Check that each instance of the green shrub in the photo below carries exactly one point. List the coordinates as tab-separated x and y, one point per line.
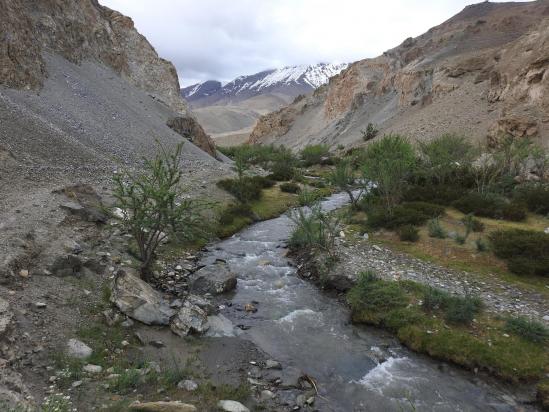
314	154
244	189
408	233
233	211
290	187
462	309
373	294
262	181
153	206
460	239
486	205
527	329
435	229
343	178
472	223
314	230
435	299
413	213
515	211
387	162
535	196
438	194
481	245
526	252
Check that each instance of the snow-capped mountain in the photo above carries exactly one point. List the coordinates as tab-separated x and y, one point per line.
286	82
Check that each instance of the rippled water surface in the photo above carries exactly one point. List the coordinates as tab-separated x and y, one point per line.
301	327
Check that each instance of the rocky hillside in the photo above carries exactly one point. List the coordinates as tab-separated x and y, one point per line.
482	73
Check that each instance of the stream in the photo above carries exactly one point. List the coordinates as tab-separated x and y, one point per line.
303	328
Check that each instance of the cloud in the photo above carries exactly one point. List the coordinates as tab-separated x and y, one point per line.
219	39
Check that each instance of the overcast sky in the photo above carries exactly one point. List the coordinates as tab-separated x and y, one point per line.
223	39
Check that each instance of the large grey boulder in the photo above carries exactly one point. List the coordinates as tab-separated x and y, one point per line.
214	279
190	319
137	299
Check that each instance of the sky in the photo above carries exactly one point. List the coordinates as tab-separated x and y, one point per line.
223	39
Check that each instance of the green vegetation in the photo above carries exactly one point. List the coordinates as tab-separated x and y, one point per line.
152	206
290	187
408	233
343	178
314	154
441	325
410	213
527	329
526	252
535	196
386	163
435	229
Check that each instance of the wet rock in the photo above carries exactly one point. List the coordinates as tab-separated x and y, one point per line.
205	304
219	326
300	400
266	395
340	281
157	343
189	319
188	385
248	307
231	406
138	300
272	364
214	279
161	406
78	349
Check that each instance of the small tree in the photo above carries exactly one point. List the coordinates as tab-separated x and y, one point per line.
152	208
343	178
386	164
313	154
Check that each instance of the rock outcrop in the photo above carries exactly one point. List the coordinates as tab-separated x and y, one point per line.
190	129
78	31
483	73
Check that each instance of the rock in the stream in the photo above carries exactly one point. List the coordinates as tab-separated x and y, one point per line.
189	319
137	299
203	303
162	407
272	364
78	349
340	281
214	279
219	326
232	406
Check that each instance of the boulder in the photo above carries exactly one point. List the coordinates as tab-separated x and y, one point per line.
219	326
232	406
214	279
189	128
161	406
78	349
203	303
190	319
84	202
66	265
188	385
340	281
138	300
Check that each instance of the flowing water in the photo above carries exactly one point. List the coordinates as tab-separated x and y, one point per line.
303	328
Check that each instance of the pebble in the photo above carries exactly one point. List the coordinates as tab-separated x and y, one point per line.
76	384
40	305
24	273
92	368
265	395
272	364
188	385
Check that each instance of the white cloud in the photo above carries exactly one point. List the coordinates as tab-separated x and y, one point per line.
220	39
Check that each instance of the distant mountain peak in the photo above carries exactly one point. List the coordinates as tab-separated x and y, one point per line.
289	81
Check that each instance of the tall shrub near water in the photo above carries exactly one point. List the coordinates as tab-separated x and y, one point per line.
386	163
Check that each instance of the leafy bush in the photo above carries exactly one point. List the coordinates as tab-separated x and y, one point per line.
491	205
282	165
462	309
413	213
481	245
370	293
386	162
314	229
290	187
526	252
435	229
445	156
435	299
370	132
343	178
527	329
152	205
437	194
408	233
313	154
535	196
244	189
233	211
472	223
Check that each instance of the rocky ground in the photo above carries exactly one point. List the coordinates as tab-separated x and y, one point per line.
359	254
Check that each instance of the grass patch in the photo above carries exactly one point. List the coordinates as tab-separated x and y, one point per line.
527	329
439	324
